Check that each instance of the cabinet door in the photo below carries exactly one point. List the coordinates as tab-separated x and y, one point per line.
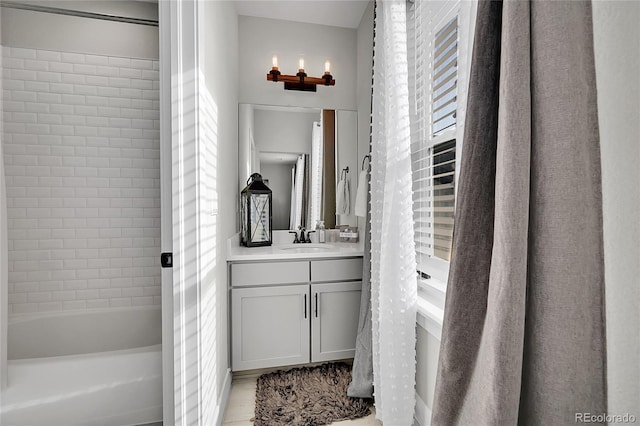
270	326
335	311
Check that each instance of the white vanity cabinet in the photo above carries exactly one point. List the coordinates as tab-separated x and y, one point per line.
270	326
287	313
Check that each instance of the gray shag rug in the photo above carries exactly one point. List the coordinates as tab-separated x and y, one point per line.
308	396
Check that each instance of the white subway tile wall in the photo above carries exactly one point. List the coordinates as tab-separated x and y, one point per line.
82	162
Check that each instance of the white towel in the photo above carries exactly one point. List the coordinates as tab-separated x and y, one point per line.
343	196
361	195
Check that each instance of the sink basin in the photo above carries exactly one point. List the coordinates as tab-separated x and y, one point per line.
305	248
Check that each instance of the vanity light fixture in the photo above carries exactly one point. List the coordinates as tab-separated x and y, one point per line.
300	81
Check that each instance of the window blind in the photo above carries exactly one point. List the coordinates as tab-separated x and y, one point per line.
444	79
443	169
433	52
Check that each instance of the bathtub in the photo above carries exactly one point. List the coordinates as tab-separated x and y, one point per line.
99	367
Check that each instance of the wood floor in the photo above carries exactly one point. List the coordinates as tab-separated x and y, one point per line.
241	406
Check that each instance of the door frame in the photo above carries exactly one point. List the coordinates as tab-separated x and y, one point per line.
179	124
166	217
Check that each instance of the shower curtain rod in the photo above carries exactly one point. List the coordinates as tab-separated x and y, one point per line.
77	13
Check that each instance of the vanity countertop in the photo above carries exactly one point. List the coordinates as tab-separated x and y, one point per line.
283	251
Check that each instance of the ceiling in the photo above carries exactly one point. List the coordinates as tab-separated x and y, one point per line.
337	13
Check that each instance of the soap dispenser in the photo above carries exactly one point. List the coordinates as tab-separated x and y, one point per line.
320	231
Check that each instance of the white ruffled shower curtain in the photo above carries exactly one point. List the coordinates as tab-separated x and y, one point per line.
296	194
393	264
315	202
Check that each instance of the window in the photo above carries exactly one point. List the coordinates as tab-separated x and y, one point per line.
442	198
444	79
439	34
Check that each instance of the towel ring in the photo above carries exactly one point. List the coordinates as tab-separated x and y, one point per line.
364	159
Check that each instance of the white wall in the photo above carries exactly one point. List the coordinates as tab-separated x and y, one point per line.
37	30
204	140
427	351
364	75
82	168
617	51
4	273
220	41
261	38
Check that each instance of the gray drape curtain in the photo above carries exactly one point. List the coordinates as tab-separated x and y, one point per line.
362	372
361	385
524	334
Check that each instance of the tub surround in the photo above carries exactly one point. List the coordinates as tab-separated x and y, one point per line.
82	332
81	152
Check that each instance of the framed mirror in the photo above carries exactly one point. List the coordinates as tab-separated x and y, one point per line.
303	154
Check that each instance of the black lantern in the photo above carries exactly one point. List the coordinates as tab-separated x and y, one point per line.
255	213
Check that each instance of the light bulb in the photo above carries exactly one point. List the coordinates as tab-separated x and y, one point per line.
327	67
301	64
275	61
